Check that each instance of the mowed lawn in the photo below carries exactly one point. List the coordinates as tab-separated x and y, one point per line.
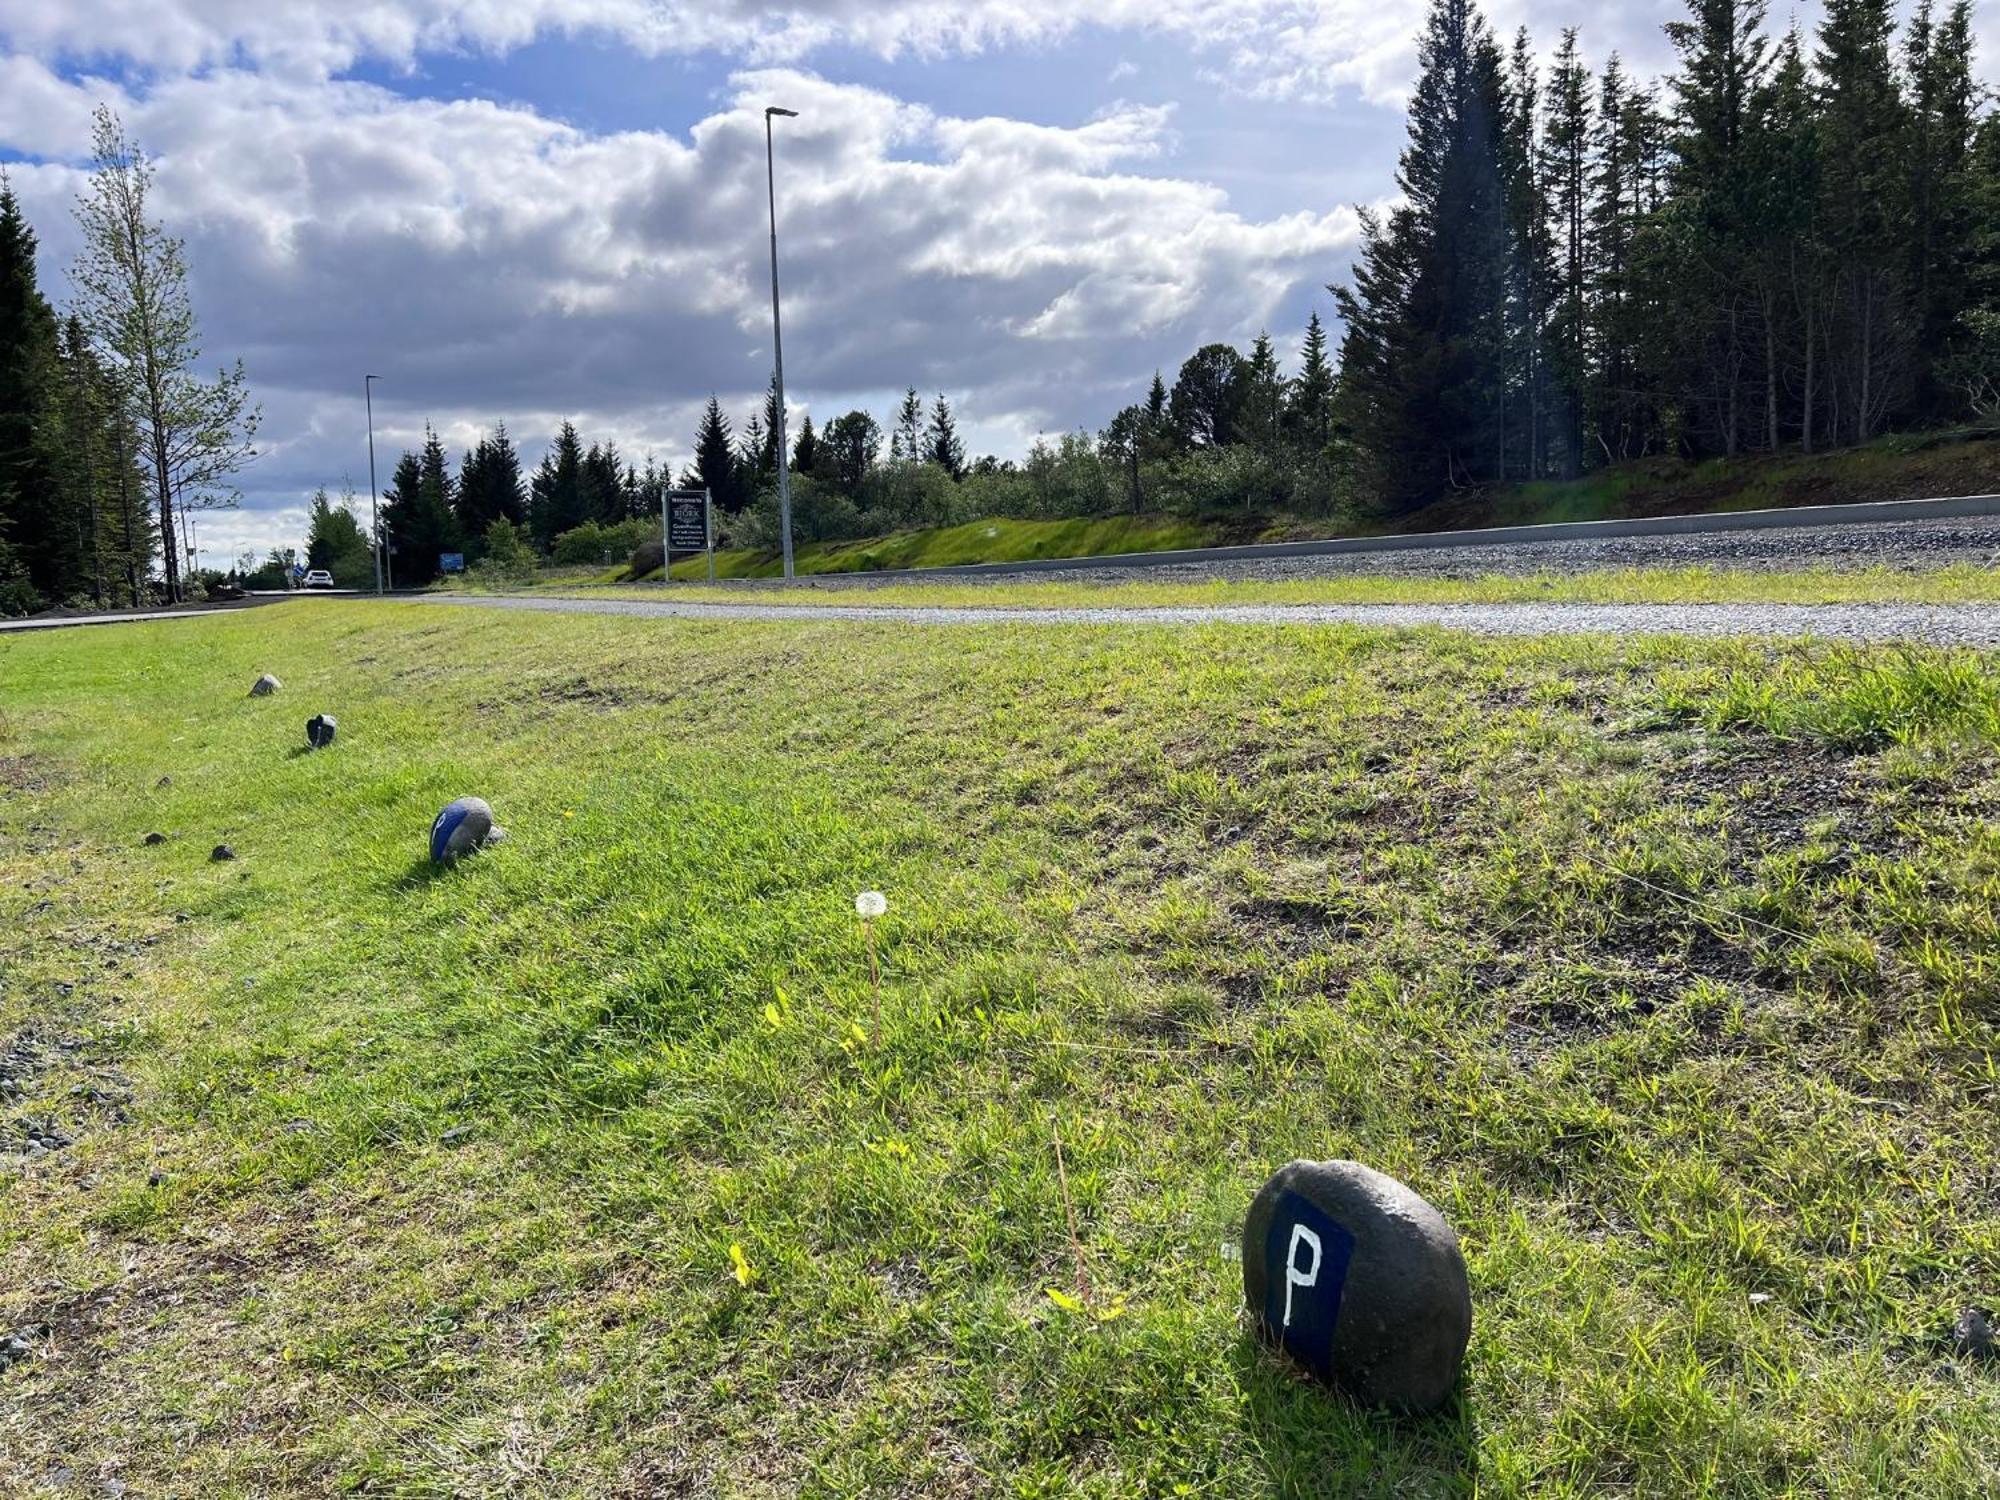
1669	971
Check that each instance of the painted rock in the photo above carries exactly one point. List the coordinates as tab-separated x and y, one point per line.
264	686
465	825
1360	1280
320	730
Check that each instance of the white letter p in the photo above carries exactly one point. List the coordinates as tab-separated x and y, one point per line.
1296	1275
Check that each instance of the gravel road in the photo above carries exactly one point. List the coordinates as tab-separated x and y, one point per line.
1892	544
1959	624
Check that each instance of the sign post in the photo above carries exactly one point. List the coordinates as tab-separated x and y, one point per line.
687	526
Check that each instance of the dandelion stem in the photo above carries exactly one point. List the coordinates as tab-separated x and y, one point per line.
875	982
1069	1213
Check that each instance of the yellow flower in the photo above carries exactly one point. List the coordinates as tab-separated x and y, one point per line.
744	1275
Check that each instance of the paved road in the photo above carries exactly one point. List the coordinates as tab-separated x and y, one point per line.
128	617
1960	624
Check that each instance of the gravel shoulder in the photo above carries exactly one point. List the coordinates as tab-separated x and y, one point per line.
1912	545
1933	624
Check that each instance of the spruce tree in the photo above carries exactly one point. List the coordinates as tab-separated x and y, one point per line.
714	467
1565	170
28	361
556	500
1423	359
1864	208
805	452
941	444
1309	400
906	440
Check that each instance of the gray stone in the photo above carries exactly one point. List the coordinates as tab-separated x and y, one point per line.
264	686
156	838
464	825
1360	1280
1973	1334
221	852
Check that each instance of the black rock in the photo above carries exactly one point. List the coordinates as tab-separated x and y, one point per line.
156	838
320	730
264	686
221	852
1973	1334
1360	1280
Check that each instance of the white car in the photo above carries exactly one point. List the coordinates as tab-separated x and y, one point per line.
318	578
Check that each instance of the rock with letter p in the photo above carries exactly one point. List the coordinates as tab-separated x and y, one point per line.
464	825
1360	1280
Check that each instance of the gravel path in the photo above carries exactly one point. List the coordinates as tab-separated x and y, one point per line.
1891	544
1936	624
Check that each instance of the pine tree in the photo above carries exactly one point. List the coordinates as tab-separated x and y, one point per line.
1423	359
805	452
1565	165
941	444
556	500
1724	61
1309	401
714	467
1864	205
605	498
28	359
490	485
1260	404
906	440
417	520
1941	230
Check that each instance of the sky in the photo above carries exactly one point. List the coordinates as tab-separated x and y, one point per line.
537	210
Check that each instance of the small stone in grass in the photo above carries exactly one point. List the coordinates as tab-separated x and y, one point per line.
164	781
456	1133
1973	1334
465	825
1360	1280
320	730
221	852
264	686
156	838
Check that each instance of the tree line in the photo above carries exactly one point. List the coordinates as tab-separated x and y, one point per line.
111	441
1788	241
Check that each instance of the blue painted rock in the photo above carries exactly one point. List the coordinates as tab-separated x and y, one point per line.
465	825
1360	1280
320	730
264	686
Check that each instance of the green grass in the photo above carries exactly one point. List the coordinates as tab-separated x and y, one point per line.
1957	583
997	539
1670	971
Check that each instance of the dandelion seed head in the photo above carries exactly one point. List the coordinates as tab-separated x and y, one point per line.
870	905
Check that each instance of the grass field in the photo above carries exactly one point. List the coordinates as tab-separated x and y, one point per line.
1670	971
1958	583
998	539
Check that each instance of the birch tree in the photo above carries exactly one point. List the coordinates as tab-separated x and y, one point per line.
132	293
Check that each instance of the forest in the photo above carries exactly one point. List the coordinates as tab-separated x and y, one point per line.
1790	242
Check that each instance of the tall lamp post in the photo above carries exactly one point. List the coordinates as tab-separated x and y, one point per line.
374	524
778	342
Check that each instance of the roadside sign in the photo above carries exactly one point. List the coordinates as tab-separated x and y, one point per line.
451	562
688	524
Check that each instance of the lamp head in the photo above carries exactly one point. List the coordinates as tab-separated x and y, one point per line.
772	109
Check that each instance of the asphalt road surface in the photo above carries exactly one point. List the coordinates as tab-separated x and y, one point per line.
1935	624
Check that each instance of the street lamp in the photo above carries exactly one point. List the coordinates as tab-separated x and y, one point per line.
374	525
778	342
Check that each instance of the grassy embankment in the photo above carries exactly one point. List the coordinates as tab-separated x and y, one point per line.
1893	468
1667	969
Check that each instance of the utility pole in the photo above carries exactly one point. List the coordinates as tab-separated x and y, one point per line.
374	523
778	341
